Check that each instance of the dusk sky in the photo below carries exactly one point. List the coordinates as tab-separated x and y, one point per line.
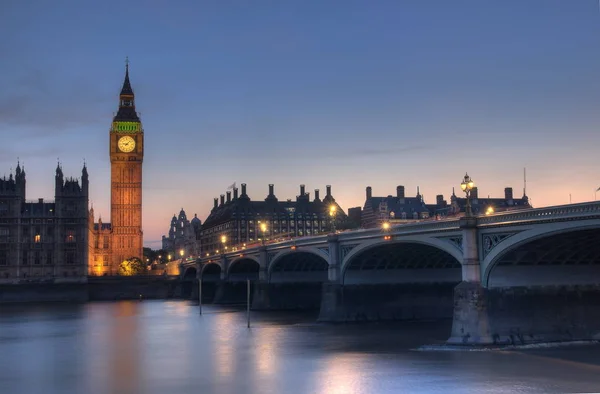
347	93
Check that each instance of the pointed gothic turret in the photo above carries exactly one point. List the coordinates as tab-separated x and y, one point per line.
84	179
58	179
127	101
126	90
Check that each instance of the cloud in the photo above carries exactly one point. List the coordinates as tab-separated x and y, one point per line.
40	104
8	154
370	152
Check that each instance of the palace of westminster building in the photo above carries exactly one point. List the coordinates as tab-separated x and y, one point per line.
58	241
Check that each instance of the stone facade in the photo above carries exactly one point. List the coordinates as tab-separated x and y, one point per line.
239	219
111	243
44	241
184	235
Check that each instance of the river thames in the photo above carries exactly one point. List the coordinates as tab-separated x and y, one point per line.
167	347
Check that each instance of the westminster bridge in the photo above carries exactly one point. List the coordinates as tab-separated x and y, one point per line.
513	277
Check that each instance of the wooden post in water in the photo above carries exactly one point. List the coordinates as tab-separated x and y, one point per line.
248	301
200	293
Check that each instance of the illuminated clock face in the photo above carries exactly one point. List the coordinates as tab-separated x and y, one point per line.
126	144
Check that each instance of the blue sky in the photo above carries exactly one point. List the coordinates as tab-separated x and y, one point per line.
347	93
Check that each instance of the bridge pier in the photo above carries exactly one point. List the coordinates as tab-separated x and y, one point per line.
470	321
470	324
332	303
228	292
260	296
194	296
522	315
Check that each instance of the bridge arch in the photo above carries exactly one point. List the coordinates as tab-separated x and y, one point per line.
414	260
190	273
188	282
210	270
299	265
546	255
243	268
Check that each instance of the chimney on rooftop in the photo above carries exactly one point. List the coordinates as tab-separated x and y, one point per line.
400	191
369	192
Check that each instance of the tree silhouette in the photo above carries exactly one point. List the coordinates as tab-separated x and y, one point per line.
132	266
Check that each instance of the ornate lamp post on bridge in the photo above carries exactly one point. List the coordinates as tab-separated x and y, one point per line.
263	231
224	242
332	214
467	185
386	226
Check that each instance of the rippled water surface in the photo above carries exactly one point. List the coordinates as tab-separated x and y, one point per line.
167	348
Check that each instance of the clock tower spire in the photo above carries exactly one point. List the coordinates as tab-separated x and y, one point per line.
126	146
127	100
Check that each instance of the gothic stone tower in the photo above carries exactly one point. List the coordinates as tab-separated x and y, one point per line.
126	155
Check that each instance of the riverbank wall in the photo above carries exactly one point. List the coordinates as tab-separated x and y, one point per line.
101	288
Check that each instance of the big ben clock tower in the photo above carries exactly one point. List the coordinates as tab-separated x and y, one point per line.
126	156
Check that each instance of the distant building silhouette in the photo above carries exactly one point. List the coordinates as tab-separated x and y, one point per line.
184	235
44	241
354	217
480	205
239	219
403	209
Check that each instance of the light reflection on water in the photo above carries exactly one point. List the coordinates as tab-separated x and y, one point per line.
167	347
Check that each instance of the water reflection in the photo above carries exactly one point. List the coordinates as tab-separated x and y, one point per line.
343	374
124	359
266	343
223	336
167	347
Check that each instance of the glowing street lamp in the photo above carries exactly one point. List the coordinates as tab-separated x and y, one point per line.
332	214
467	185
263	230
181	253
224	242
489	210
385	226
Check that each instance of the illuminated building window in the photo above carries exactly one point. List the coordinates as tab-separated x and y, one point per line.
70	237
37	239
